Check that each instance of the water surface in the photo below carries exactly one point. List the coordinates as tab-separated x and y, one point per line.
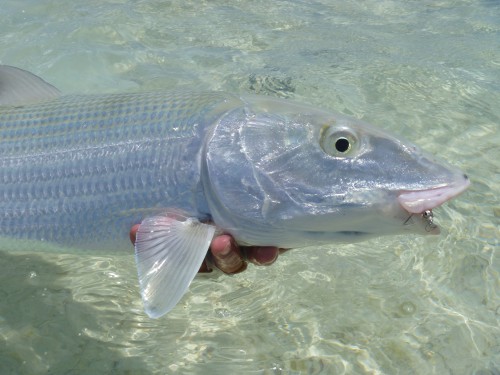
427	70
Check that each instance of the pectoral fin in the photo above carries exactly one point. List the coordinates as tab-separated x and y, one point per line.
169	251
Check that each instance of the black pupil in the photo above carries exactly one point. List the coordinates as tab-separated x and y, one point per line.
342	145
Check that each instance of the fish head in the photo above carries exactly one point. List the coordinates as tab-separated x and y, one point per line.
289	175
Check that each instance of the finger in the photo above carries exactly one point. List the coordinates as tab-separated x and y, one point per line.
262	255
226	254
133	233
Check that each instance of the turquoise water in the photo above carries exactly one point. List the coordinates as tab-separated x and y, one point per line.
428	70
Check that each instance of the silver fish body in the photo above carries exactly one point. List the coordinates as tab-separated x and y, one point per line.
77	172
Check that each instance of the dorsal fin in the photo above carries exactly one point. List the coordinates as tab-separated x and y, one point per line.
19	87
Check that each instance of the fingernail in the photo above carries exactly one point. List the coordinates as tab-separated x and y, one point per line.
265	255
227	249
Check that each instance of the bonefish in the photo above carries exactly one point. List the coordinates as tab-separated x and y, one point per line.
76	172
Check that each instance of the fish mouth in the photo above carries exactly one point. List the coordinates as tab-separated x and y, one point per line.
420	201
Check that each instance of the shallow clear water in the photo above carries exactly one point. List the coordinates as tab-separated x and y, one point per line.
428	70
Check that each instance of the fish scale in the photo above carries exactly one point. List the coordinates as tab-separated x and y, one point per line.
100	161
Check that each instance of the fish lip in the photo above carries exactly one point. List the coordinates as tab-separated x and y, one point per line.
419	201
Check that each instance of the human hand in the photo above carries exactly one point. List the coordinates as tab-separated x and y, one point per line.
228	256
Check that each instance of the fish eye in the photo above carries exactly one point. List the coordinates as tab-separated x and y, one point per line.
337	142
342	144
